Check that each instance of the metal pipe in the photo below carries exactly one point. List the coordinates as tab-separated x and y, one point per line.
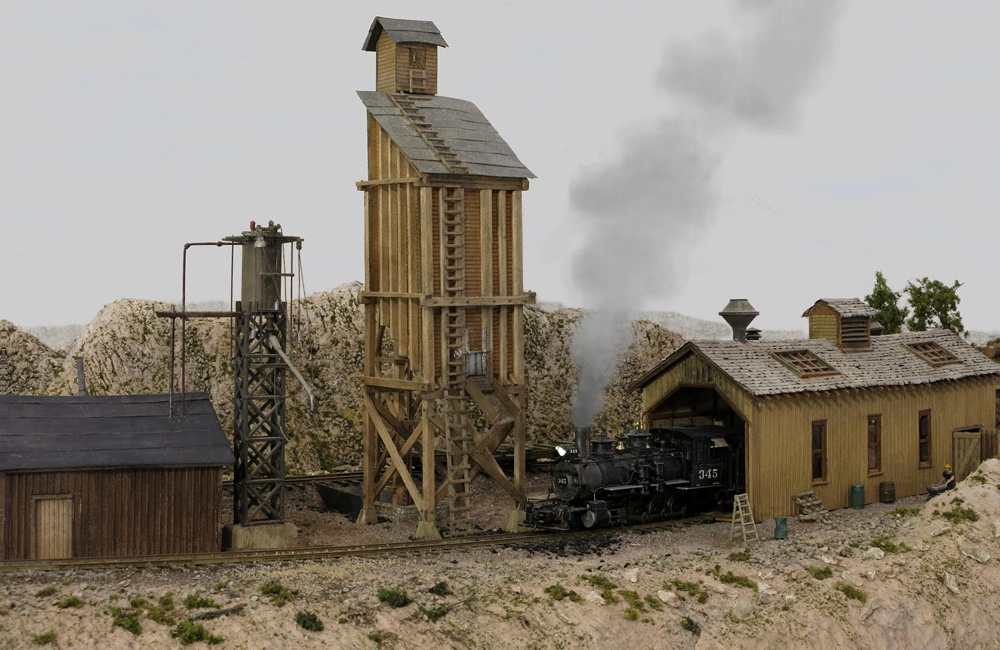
81	380
184	321
281	353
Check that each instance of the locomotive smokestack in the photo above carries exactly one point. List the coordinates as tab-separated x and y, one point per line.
582	440
739	313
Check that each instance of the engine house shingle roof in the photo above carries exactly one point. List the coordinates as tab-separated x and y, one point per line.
462	128
888	363
846	307
403	31
39	432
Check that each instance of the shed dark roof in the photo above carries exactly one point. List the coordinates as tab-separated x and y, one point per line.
889	363
846	307
109	431
403	31
460	127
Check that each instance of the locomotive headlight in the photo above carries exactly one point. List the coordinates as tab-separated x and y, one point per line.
560	450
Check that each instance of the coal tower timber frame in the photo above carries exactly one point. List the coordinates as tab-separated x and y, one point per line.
444	297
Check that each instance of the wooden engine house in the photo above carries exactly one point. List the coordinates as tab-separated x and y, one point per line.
444	297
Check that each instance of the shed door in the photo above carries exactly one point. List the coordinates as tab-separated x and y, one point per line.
53	527
965	452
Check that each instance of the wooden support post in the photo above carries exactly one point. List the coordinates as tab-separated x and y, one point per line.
370	442
427	527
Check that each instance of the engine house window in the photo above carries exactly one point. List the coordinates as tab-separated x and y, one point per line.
874	444
924	433
819	452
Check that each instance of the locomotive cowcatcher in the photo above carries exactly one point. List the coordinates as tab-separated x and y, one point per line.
646	476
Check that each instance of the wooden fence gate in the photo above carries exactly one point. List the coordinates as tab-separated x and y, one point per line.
966	452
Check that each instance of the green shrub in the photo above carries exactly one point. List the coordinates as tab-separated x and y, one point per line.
630	614
742	556
394	597
959	514
127	620
71	601
188	632
692	589
309	621
688	624
441	589
377	638
436	613
905	512
820	573
45	593
730	579
654	603
633	599
606	586
194	601
278	594
558	592
852	592
977	478
49	638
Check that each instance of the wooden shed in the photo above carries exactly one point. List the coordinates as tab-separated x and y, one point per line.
842	408
101	476
444	295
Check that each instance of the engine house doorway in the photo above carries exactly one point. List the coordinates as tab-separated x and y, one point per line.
702	406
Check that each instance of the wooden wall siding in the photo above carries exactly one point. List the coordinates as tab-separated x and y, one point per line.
122	512
824	323
693	371
402	66
3	516
778	445
385	64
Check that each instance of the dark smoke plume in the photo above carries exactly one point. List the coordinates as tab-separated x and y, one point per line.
642	210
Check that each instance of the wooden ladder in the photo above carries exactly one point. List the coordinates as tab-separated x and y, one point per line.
744	517
458	429
407	105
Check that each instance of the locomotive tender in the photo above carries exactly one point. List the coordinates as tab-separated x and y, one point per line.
646	476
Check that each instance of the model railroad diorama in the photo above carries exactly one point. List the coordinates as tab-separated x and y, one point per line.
444	385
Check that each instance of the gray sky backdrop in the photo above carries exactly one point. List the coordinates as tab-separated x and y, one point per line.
129	128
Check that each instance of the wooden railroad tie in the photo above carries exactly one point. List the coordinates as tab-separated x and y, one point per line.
811	508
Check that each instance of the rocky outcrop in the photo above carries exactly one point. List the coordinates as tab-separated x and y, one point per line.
27	366
126	350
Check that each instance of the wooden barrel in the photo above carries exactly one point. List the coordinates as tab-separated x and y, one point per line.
887	492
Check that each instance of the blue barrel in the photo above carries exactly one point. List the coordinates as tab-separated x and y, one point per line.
780	528
857	497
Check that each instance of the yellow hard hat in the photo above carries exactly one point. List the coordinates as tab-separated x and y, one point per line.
947	466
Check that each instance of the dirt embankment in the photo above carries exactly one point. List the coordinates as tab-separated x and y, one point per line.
907	575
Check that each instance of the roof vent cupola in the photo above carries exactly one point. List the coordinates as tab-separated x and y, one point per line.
845	322
405	55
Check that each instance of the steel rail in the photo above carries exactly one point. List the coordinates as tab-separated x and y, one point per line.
327	552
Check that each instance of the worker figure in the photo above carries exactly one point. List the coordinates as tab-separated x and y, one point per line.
949	478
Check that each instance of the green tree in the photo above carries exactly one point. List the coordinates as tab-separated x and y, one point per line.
886	301
934	304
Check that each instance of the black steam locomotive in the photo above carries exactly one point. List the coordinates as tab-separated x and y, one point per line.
648	475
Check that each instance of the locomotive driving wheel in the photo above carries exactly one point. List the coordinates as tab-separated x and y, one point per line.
677	505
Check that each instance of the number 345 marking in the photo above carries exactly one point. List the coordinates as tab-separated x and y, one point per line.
708	473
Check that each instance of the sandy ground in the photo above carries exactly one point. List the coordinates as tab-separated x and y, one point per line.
682	588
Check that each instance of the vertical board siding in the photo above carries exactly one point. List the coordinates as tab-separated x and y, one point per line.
385	63
122	512
781	429
3	515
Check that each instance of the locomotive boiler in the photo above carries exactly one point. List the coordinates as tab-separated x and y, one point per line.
645	476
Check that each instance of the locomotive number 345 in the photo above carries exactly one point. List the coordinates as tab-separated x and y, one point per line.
708	473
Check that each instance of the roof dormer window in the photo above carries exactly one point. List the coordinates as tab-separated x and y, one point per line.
805	363
932	353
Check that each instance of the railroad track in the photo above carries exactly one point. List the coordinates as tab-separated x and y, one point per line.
330	477
325	552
